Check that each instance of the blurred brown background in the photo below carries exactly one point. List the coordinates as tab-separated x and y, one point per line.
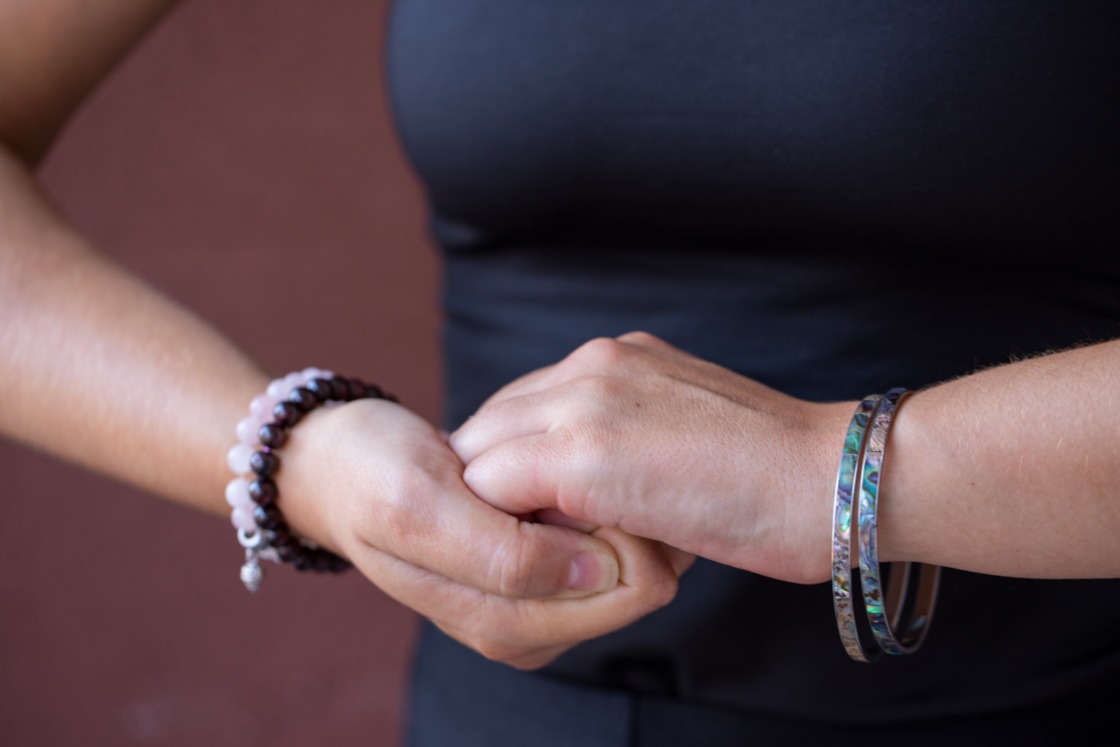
242	160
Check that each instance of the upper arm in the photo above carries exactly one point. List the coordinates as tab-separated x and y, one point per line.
53	52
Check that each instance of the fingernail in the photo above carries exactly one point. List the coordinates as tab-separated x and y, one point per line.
592	571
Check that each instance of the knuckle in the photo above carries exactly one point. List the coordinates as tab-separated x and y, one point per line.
600	354
662	593
531	661
639	337
493	648
511	568
496	652
667	591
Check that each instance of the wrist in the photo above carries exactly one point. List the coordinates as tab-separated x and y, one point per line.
908	512
820	455
306	478
782	524
263	529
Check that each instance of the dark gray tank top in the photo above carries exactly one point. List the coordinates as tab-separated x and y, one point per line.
832	198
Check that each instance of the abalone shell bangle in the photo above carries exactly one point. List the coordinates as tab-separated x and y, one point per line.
914	607
261	528
842	583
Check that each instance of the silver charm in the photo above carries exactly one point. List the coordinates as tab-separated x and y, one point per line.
251	572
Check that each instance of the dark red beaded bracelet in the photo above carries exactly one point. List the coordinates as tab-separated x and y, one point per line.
253	495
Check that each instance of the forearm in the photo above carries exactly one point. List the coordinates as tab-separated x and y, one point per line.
1012	471
52	53
99	369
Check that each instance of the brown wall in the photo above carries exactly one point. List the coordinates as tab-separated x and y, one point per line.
243	161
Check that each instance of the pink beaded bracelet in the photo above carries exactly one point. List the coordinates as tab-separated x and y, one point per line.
252	495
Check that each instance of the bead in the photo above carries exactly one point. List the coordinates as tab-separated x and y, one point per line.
262	405
237	493
321	561
304	561
276	389
320	388
263	463
242	518
315	373
261	492
331	563
303	399
288	553
287	413
268	517
247	430
356	390
272	435
339	389
238	459
280	537
291	381
372	390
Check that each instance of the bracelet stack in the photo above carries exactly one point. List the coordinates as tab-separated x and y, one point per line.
261	528
912	589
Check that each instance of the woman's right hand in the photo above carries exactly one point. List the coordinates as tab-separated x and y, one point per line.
378	484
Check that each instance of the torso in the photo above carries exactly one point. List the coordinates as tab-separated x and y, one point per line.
832	198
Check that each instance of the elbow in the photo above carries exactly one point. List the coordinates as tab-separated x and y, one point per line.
27	147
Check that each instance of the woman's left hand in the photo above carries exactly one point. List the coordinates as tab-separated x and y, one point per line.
636	434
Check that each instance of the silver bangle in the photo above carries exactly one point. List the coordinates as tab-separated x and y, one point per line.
842	513
913	610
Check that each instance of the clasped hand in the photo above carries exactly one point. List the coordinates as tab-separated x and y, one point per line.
571	503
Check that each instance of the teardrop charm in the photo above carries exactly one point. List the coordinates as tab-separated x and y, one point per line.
251	572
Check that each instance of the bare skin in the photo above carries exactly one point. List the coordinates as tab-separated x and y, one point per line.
1011	471
102	370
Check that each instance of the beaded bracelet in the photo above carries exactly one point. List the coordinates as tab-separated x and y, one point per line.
913	611
261	528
